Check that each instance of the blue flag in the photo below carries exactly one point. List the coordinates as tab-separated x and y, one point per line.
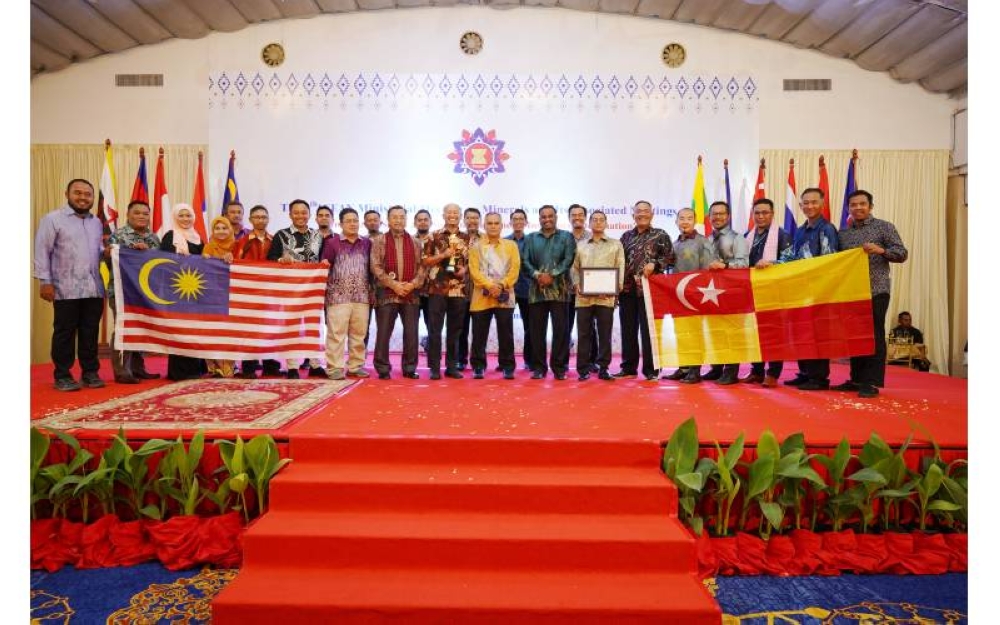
232	192
852	186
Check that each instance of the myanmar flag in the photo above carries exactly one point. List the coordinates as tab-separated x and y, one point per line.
813	308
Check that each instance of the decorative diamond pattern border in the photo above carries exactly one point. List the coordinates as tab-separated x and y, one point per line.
736	90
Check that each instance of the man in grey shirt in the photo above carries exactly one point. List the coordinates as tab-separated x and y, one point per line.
731	252
67	260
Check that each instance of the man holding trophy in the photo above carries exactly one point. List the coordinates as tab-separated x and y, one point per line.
445	256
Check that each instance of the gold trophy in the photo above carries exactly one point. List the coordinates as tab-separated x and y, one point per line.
454	241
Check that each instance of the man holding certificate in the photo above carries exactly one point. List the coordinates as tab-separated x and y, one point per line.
598	275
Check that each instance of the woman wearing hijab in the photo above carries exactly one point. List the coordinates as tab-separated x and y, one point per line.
184	240
220	246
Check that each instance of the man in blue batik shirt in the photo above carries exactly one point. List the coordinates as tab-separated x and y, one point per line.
816	237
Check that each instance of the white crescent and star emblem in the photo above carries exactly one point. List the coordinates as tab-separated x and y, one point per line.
708	294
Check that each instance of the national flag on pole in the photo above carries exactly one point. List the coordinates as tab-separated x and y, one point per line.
198	202
824	185
140	189
232	192
205	308
758	193
729	195
813	308
163	219
849	188
699	202
107	202
791	199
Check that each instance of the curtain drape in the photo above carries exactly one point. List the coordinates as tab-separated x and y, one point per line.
53	165
910	189
958	272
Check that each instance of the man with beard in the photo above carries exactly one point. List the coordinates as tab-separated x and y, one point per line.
730	253
298	243
547	260
234	213
67	260
422	222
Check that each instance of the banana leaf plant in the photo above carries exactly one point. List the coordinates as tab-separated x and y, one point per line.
179	478
233	454
838	506
134	475
793	473
727	482
263	463
899	487
64	476
679	464
40	485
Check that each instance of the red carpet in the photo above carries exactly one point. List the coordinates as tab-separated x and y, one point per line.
485	501
461	530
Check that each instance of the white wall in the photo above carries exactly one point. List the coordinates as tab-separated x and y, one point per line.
865	110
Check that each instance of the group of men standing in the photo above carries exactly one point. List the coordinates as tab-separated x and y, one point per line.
466	278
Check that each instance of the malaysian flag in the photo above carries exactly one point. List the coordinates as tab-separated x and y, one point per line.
205	308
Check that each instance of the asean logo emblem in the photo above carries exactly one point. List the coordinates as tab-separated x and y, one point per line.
479	154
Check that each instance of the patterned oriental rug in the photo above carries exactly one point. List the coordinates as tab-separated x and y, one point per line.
218	404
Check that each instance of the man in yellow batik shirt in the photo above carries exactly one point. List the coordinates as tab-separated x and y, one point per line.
494	264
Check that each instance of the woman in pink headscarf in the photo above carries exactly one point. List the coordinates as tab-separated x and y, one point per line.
184	240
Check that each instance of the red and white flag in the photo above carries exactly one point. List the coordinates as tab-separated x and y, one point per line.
205	308
107	202
163	219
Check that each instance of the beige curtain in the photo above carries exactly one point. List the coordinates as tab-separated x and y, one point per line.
52	166
910	189
958	271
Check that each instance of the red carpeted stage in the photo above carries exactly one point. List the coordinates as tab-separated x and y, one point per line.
480	501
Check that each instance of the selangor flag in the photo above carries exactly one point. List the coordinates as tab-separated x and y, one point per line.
813	308
700	203
107	202
232	193
140	190
205	308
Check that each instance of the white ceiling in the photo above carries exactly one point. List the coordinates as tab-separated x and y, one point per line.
914	40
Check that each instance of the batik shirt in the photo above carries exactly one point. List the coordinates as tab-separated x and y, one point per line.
785	250
523	282
349	281
383	294
440	281
730	248
692	252
68	253
883	234
603	253
301	246
818	239
127	237
553	255
498	263
641	248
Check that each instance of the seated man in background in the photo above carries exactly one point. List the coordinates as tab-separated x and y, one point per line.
905	330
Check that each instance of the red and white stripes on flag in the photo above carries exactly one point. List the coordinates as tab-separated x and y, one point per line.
271	311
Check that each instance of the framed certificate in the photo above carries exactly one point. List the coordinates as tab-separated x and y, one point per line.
599	281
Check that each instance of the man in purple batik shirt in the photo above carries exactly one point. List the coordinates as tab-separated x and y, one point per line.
348	298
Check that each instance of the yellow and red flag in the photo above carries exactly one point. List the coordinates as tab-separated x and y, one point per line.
812	308
699	202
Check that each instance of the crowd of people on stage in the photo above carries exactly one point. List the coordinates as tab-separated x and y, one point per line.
463	276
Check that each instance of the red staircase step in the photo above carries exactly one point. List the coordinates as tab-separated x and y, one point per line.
470	597
452	540
304	486
463	450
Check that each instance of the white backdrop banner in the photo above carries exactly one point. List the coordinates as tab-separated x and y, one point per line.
606	133
497	142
